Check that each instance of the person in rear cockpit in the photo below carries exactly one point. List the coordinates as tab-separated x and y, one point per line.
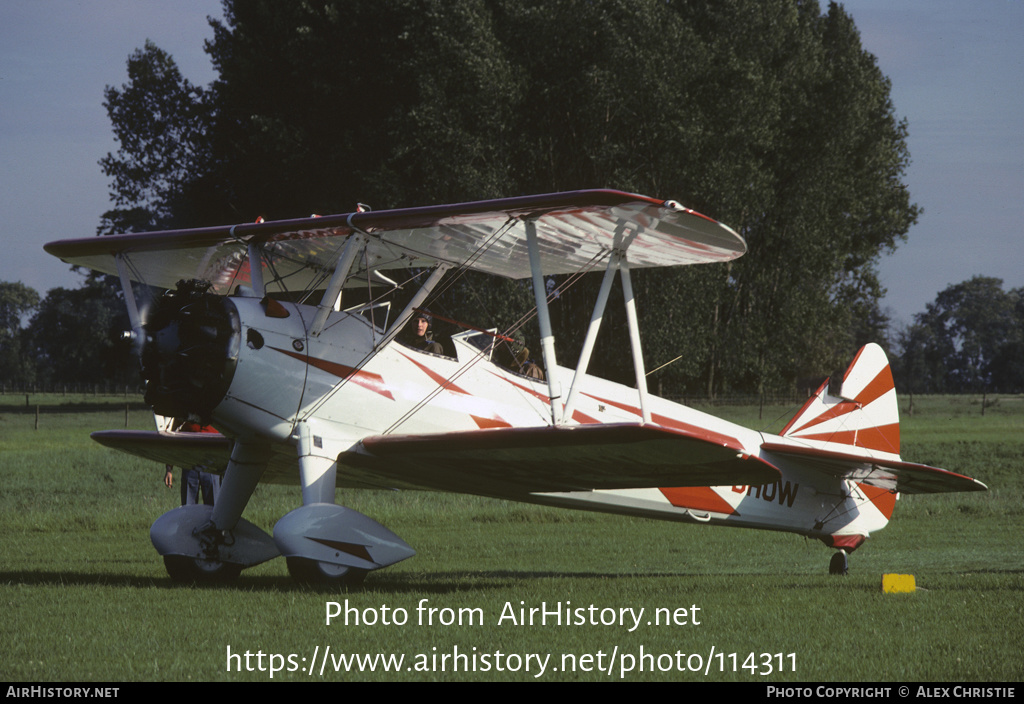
512	353
420	336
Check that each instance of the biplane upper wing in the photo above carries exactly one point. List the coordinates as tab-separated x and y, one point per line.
895	475
574	230
511	462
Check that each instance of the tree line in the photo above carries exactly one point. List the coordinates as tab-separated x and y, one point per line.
68	336
766	115
970	339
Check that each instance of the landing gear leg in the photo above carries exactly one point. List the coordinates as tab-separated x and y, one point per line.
209	543
839	564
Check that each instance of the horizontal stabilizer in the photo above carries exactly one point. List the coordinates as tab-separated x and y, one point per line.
850	429
515	461
894	475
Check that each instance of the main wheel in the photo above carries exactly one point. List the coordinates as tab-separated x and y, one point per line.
307	571
191	569
838	564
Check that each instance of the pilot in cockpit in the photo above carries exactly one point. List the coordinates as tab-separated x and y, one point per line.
420	336
515	355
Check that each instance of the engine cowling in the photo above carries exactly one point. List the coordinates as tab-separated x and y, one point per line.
190	350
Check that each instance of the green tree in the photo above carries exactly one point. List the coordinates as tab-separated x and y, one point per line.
160	178
767	115
76	336
919	367
1007	364
393	104
17	301
160	121
830	201
968	339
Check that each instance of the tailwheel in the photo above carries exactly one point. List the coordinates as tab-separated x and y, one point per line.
182	568
839	563
315	572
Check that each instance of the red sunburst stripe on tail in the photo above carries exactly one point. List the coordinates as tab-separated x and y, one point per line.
876	388
853	364
835	411
879	386
883	499
884	438
803	409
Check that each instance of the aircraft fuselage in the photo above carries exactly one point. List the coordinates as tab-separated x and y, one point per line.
345	387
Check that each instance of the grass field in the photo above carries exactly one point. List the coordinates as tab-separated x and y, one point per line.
86	597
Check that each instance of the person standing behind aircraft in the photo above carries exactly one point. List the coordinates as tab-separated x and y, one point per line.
193	479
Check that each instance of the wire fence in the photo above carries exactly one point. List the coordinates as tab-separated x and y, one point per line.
23	398
774	399
109	389
90	388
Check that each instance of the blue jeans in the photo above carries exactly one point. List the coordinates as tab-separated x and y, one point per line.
192	480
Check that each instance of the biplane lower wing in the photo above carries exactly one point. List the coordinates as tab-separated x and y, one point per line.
178	449
496	462
516	461
895	475
212	452
207	450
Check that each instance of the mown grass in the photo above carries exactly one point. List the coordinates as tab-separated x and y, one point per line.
86	597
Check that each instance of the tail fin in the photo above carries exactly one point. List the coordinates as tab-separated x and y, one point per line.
863	415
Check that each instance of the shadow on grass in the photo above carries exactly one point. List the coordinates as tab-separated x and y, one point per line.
418	583
446	582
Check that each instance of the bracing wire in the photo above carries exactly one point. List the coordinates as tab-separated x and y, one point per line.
573	279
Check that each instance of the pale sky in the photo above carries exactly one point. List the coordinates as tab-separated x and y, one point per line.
957	69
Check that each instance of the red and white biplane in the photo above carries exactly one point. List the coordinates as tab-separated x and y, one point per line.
326	395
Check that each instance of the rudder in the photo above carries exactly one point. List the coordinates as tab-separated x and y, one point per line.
864	415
